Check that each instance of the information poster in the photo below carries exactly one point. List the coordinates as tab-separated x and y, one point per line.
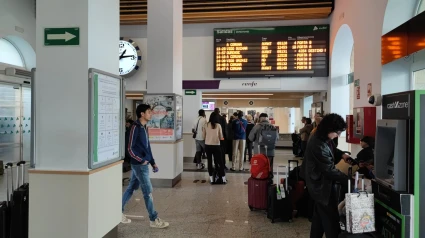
161	126
107	118
179	117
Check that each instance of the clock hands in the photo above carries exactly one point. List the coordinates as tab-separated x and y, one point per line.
121	56
127	56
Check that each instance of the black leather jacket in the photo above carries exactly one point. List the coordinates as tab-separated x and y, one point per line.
318	168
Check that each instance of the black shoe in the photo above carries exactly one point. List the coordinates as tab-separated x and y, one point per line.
231	169
225	168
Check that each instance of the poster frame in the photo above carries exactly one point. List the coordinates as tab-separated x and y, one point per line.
91	119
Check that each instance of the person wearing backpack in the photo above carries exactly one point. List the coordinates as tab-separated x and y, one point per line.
239	129
264	134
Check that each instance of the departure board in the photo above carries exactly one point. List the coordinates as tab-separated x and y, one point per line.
284	51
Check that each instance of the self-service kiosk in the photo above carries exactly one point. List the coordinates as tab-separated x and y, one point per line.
400	166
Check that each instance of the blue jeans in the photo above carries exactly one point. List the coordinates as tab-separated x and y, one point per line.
140	176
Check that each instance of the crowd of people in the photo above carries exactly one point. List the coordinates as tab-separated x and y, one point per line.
240	134
236	137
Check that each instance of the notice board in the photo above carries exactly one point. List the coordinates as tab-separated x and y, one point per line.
106	118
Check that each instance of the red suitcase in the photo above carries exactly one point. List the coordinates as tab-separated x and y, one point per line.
258	193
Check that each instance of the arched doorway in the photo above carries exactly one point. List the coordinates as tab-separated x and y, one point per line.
342	64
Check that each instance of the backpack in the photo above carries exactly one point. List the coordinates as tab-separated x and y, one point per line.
268	136
260	166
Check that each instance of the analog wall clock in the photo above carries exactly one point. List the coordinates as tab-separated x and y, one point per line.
130	57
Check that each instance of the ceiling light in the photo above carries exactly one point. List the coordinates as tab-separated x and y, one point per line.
252	94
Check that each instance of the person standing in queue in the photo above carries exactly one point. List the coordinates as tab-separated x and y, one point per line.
248	141
321	175
229	141
140	151
213	135
239	129
222	121
198	126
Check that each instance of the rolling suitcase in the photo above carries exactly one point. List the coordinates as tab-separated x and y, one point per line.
279	205
20	207
257	193
258	188
5	207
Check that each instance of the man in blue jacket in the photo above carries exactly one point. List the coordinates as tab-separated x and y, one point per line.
140	152
239	129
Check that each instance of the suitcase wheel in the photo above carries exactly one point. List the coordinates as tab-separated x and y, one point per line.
251	208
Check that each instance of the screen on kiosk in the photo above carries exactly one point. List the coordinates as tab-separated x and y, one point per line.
209	106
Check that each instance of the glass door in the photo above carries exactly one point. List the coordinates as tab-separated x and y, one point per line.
10	123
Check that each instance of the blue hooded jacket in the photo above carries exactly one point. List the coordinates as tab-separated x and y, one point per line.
239	129
139	147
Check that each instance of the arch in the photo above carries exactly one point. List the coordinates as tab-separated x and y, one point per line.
341	52
25	49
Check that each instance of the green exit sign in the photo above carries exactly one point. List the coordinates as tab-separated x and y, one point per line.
190	92
61	36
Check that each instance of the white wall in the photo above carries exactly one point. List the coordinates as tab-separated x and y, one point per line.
17	24
398	12
19	14
396	76
340	97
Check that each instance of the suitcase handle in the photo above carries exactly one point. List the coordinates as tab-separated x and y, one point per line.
7	183
10	165
22	165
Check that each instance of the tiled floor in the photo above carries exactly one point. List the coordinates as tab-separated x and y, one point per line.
204	210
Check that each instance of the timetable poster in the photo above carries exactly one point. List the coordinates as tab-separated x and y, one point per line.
161	125
283	51
108	111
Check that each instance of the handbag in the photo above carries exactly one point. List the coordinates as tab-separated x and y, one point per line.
195	132
360	211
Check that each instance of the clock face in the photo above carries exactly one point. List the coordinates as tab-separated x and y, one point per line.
129	57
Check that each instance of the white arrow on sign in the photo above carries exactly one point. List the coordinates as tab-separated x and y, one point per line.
190	92
67	36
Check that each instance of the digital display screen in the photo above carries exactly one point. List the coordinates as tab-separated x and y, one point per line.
285	51
209	106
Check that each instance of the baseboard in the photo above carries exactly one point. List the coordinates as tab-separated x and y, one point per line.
113	233
166	183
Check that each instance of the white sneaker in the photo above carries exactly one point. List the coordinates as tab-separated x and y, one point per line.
158	223
125	220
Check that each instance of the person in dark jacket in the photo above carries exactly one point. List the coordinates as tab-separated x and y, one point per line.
366	157
223	124
320	174
305	133
128	125
229	138
239	138
140	151
249	143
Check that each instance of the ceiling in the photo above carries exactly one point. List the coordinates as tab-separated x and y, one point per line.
134	12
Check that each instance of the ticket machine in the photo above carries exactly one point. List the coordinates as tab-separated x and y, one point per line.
400	166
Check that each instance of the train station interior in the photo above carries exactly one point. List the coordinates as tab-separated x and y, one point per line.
81	155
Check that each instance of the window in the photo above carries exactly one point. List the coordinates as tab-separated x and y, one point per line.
419	80
9	54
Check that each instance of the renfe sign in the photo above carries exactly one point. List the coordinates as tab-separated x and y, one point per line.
398	105
250	84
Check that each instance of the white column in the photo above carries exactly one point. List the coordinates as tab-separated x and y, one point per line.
68	200
164	73
191	106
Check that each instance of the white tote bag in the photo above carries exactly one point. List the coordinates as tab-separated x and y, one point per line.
360	212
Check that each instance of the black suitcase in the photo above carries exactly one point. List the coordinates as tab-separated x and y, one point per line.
279	208
5	208
20	207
